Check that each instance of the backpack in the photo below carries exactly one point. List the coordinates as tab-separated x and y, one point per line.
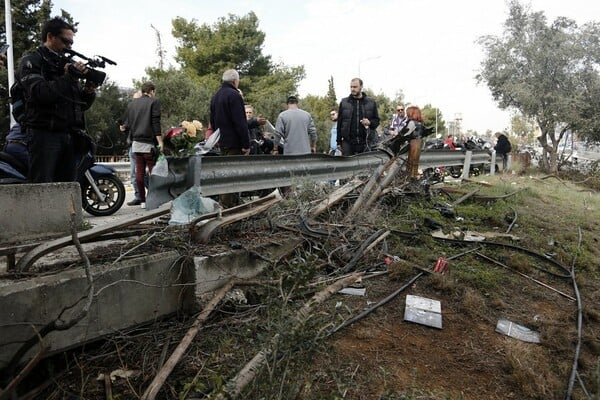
18	101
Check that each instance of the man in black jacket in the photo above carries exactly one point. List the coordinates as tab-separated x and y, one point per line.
227	114
143	122
503	149
55	102
358	119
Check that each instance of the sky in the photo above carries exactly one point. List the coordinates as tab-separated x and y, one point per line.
426	49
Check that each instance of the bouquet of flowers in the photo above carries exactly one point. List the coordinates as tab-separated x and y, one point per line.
181	140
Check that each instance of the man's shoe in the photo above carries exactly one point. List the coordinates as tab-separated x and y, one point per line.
143	206
134	202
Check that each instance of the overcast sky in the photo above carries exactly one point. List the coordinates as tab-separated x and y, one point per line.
425	48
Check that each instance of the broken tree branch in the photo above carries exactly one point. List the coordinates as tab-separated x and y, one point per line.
168	367
234	387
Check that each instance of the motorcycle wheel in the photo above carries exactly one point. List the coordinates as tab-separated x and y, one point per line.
112	187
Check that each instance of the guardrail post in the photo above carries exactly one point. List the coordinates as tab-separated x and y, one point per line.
467	165
493	164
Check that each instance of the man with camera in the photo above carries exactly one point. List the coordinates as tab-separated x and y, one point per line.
55	104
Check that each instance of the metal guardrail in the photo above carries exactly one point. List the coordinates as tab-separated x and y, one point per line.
259	168
232	174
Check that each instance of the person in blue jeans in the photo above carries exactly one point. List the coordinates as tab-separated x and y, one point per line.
137	199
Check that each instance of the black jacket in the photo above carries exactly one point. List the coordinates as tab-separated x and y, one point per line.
55	100
503	145
227	113
351	111
143	119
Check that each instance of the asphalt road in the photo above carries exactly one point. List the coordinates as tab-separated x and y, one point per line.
124	212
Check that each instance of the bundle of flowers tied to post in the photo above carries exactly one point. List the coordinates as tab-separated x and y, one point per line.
182	140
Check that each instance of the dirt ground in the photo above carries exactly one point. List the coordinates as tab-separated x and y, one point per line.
382	356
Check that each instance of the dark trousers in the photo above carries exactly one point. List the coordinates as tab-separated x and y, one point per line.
229	200
51	157
143	161
349	149
504	157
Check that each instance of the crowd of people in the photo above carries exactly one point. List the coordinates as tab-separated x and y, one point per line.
58	93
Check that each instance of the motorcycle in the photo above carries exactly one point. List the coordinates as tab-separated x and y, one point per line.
102	192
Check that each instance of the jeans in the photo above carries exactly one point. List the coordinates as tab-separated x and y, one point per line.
132	174
51	157
143	161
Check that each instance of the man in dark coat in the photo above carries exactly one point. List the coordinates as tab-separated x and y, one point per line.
358	119
503	149
227	114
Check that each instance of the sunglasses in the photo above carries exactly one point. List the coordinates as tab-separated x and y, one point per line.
66	41
400	109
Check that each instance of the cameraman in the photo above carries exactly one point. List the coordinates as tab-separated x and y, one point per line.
55	102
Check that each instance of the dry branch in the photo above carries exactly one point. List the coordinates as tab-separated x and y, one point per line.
335	197
166	369
367	190
234	387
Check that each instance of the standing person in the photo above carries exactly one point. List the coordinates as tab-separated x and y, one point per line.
333	146
259	144
143	121
414	131
503	149
449	141
227	114
55	103
357	117
136	199
297	128
399	121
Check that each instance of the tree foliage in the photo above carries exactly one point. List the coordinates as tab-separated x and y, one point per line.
232	42
181	96
102	119
206	51
548	72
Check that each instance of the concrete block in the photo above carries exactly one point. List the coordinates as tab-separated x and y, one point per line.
127	294
30	211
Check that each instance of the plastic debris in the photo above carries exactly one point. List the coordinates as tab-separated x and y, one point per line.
441	266
190	205
424	311
517	331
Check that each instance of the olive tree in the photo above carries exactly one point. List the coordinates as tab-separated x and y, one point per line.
548	72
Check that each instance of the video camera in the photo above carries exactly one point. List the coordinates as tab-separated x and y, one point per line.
92	75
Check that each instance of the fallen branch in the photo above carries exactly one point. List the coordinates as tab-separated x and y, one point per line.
234	387
367	190
366	245
8	391
168	367
463	198
335	197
